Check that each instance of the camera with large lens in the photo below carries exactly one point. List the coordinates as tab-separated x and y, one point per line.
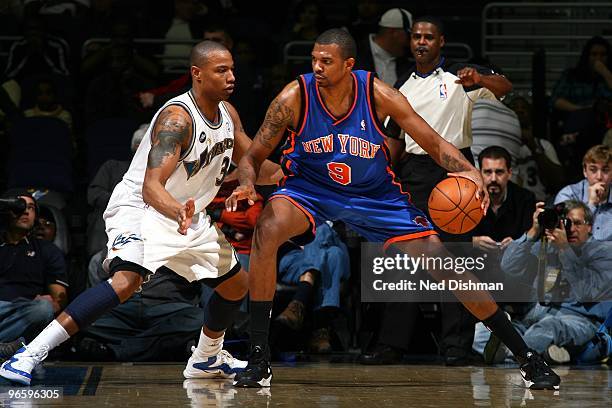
15	205
551	217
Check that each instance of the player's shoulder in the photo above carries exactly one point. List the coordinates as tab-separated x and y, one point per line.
176	121
234	116
382	90
288	101
231	109
176	115
292	91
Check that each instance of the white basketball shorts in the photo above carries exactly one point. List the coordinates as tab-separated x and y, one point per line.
147	238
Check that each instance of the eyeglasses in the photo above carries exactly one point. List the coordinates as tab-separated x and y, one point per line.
579	223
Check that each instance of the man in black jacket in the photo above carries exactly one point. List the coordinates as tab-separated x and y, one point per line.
511	206
384	52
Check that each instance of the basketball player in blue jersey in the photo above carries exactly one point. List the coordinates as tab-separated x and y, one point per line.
175	173
337	168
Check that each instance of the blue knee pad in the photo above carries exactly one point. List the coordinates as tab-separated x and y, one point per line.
220	312
92	303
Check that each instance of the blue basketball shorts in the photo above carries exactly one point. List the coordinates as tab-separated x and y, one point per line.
384	214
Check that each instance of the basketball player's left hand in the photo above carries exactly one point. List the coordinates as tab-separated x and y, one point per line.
184	216
468	77
481	194
241	193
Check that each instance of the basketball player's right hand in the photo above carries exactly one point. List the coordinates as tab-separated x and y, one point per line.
241	193
481	193
184	216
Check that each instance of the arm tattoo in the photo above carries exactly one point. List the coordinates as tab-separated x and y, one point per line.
452	164
171	132
277	118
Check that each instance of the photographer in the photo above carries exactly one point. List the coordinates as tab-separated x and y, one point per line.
32	272
594	190
578	280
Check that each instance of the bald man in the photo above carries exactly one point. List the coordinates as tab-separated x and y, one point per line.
155	218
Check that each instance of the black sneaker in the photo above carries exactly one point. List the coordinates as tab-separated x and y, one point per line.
537	374
9	349
258	373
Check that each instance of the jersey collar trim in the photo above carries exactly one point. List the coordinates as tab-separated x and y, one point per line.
425	75
211	125
335	119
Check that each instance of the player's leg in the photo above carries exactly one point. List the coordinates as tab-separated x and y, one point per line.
81	312
479	303
208	359
279	221
535	371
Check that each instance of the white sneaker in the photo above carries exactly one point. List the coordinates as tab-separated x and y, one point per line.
222	365
19	367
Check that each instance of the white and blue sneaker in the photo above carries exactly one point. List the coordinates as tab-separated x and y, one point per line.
222	365
19	367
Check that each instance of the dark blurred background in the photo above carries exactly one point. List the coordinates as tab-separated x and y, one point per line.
80	77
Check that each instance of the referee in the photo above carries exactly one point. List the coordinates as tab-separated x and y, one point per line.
442	93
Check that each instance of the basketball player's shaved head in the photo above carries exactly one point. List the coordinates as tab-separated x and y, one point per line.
342	39
202	51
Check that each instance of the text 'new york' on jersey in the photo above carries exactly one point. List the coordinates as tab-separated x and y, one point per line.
346	153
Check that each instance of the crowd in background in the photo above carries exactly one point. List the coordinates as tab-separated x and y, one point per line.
80	86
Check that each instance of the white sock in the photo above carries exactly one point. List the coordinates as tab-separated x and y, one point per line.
52	336
208	346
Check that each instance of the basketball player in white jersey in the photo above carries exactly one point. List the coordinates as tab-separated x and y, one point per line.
174	175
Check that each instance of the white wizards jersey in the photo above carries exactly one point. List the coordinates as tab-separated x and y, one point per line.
200	170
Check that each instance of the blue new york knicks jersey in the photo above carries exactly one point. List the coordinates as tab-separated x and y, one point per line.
337	169
346	153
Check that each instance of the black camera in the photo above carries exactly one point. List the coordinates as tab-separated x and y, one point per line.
551	217
15	205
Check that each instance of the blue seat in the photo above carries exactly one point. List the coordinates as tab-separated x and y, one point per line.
40	154
109	139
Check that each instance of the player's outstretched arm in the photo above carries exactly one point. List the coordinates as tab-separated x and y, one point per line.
171	135
282	113
390	102
269	172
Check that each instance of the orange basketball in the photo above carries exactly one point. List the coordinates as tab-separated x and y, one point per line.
453	206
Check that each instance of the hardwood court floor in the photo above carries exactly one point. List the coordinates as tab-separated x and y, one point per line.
317	385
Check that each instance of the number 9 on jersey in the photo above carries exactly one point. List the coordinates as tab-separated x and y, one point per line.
339	172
